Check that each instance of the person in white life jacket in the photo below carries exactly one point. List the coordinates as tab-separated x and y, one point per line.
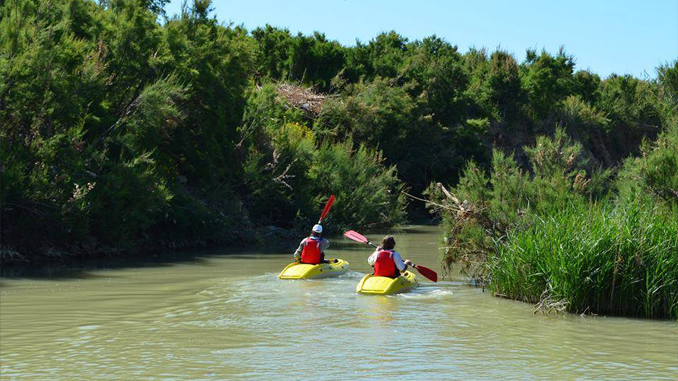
386	261
311	250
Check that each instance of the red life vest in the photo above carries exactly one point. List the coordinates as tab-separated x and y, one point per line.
384	265
311	253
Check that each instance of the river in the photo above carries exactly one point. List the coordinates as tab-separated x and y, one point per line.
225	315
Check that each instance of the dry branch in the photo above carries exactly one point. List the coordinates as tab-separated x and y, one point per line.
302	98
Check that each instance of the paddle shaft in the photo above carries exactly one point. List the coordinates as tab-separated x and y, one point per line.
328	206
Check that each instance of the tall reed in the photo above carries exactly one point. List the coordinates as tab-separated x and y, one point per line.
599	258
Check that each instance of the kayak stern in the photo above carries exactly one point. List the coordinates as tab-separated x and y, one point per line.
297	270
379	285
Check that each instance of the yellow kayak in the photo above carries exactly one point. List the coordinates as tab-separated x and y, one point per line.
381	285
298	270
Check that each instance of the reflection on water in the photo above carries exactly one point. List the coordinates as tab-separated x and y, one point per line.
214	316
379	309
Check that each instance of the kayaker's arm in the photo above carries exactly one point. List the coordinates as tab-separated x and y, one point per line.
373	258
324	244
402	266
297	254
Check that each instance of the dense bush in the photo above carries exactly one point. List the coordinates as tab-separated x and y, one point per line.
547	80
117	132
654	174
289	173
369	195
385	116
482	208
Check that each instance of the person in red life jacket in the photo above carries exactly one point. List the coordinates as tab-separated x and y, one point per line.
311	250
386	261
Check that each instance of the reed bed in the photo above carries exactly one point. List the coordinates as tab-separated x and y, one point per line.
594	258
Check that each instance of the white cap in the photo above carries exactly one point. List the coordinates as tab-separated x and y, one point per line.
317	228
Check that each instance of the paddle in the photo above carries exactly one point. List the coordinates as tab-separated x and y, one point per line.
425	271
328	206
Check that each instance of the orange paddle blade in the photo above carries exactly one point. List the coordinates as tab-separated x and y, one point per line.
355	236
426	272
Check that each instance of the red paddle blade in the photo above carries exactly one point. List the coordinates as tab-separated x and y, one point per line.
355	236
328	206
428	273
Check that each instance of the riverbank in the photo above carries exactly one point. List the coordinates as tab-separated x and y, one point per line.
557	238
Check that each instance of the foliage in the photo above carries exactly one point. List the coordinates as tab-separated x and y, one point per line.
554	237
627	101
384	56
577	112
308	59
495	84
104	127
369	195
435	71
547	80
481	209
654	173
667	76
587	86
388	117
594	258
288	174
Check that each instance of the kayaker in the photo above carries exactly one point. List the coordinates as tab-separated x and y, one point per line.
386	261
311	250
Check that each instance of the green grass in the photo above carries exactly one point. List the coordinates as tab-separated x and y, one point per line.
594	258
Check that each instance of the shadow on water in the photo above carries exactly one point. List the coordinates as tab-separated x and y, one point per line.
73	269
85	268
79	268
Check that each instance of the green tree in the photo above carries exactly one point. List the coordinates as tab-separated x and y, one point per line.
315	60
547	80
273	47
587	86
384	56
495	84
436	69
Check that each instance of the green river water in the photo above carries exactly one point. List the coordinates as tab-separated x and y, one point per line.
225	315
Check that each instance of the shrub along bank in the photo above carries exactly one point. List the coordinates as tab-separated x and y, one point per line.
552	237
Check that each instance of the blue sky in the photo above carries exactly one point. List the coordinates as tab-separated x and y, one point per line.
623	37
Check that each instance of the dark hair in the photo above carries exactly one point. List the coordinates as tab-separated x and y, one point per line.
388	242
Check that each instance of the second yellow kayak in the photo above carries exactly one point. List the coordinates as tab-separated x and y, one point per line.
298	270
381	285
